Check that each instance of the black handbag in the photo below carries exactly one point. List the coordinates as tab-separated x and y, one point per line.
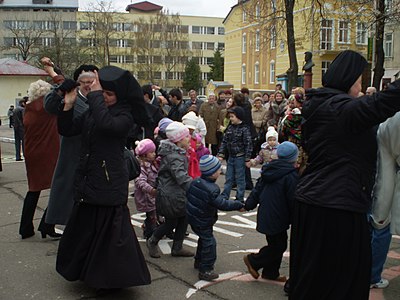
132	164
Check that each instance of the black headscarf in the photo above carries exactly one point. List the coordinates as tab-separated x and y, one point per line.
344	71
127	90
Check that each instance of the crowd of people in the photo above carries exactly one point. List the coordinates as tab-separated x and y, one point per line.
320	173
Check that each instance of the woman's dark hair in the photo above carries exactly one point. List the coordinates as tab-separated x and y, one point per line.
84	68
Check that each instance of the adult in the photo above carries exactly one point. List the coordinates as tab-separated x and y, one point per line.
42	144
61	193
265	98
330	254
10	115
19	128
370	90
193	100
99	245
209	111
221	101
278	108
178	108
246	93
260	116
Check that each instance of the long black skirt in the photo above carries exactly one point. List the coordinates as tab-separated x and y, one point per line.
100	248
330	254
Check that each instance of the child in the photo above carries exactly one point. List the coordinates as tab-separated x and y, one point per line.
145	184
268	149
237	142
204	200
190	120
274	192
200	148
172	183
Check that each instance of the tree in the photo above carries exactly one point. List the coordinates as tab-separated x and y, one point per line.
379	58
192	78
217	67
292	72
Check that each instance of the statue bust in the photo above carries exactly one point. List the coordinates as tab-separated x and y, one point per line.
308	64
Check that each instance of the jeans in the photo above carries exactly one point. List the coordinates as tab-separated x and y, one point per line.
235	172
380	243
206	253
19	141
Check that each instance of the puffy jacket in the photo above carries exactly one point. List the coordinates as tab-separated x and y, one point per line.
274	191
339	138
237	141
204	200
144	184
173	180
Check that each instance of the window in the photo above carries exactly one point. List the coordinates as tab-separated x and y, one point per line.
388	45
324	67
205	76
258	40
221	30
209	60
257	73
86	25
244	15
155	44
69	25
184	29
88	42
169	60
183	44
389	6
157	59
42	1
272	72
157	75
142	59
221	46
47	41
121	59
344	32
273	6
210	30
16	24
210	46
196	29
244	43
122	27
326	35
122	43
243	74
273	37
45	25
197	45
69	41
258	11
362	33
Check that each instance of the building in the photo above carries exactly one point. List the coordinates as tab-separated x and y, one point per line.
146	39
256	53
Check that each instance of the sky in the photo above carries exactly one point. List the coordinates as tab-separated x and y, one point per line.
209	8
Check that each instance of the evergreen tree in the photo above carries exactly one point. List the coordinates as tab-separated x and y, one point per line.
192	78
217	67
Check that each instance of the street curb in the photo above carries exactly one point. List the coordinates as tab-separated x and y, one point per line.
7	140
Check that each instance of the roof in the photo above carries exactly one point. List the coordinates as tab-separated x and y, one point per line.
220	83
12	67
232	8
144	6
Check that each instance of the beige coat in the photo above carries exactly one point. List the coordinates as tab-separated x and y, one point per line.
210	114
260	117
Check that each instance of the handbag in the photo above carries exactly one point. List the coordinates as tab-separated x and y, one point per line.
132	164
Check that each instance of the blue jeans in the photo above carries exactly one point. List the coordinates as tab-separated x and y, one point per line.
380	243
206	253
235	172
19	142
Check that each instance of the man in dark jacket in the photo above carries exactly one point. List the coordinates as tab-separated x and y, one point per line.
204	200
274	192
178	109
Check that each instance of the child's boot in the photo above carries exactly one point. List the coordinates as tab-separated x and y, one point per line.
151	244
177	250
208	275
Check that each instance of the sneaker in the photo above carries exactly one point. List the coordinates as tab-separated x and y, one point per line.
250	268
381	284
208	276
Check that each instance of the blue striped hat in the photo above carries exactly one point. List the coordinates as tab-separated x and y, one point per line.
209	165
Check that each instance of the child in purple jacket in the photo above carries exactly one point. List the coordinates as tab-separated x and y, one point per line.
201	150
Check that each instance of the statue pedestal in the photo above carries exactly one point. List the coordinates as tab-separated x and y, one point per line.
307	84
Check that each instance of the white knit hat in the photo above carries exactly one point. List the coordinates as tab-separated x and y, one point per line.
190	120
271	133
176	131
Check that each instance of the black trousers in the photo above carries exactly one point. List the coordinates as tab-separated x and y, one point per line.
269	257
179	224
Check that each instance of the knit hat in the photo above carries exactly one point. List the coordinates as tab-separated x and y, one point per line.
209	165
163	123
287	151
176	131
190	120
271	133
238	111
144	146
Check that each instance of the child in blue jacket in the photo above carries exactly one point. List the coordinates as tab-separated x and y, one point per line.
274	192
204	200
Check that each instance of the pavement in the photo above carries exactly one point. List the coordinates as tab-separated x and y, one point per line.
28	266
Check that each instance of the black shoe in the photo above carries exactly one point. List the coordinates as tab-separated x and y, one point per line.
286	287
19	159
170	235
27	235
51	234
208	276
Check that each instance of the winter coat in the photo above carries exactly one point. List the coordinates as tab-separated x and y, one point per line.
102	175
173	181
277	111
204	200
260	118
62	187
266	154
386	193
42	143
201	151
237	141
210	114
193	161
144	184
177	111
274	192
341	145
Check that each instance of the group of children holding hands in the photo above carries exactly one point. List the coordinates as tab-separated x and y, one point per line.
165	187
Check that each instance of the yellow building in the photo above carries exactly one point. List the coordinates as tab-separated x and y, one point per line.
256	53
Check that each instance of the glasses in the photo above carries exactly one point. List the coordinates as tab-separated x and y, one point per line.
85	82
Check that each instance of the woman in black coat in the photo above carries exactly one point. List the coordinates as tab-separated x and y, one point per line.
99	245
330	254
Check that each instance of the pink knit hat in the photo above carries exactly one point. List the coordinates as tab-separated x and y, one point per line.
144	146
176	131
